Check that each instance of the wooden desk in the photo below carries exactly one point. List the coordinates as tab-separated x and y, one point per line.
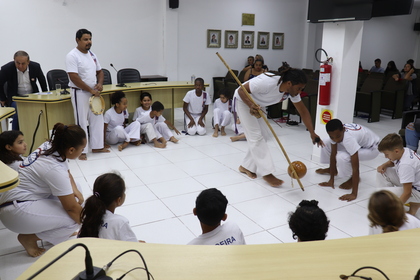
59	109
6	112
396	254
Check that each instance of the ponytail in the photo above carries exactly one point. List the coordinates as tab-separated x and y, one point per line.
107	188
64	137
295	76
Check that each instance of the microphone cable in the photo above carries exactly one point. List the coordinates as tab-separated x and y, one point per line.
106	267
359	269
122	276
36	129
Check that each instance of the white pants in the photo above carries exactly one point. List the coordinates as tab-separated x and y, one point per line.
237	128
164	130
343	157
150	131
84	116
195	128
221	118
46	218
120	134
258	157
391	182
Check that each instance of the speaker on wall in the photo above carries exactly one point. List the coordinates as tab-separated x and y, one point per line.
173	4
417	26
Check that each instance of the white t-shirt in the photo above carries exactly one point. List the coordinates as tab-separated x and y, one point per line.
84	64
140	111
113	119
145	118
412	222
195	103
408	168
356	137
40	177
266	92
226	234
222	106
116	227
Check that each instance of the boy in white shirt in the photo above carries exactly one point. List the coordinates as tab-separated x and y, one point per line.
348	144
196	106
151	121
222	112
210	208
401	170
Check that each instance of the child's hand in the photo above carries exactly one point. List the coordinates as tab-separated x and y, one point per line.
191	124
348	197
381	169
177	131
200	123
327	184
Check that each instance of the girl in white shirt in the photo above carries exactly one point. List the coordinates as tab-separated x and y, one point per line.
387	214
12	146
98	218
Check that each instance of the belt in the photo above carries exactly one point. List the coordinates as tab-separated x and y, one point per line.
11	203
75	88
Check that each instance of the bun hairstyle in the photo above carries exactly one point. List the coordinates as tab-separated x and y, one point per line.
117	96
8	138
386	210
107	188
295	76
64	137
309	222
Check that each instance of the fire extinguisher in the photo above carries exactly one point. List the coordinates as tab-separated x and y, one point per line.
324	79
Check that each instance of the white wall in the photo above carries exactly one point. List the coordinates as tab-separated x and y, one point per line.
147	35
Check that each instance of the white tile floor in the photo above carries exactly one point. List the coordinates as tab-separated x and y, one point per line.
162	185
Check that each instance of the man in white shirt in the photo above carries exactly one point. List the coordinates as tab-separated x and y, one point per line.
86	79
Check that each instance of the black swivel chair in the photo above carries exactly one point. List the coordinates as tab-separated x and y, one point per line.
57	76
128	75
107	77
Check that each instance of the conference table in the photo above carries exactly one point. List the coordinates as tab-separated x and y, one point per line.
396	254
45	110
5	112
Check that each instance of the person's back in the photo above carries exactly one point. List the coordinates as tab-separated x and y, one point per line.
210	209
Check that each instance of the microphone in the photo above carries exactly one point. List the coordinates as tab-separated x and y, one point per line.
119	84
345	277
65	86
90	273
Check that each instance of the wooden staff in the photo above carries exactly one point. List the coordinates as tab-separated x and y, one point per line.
294	173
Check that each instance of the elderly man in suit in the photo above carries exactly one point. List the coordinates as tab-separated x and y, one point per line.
21	76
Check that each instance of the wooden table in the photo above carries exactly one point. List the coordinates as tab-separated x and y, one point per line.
396	254
51	108
6	112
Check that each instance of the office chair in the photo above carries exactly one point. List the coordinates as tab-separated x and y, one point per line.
128	75
57	76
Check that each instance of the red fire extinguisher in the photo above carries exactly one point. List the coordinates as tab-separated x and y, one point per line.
324	79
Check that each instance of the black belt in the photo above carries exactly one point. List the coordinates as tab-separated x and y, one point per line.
11	203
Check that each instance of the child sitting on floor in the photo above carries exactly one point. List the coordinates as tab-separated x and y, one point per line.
196	106
222	112
210	208
12	146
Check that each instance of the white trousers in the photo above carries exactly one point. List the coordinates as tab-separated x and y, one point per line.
237	128
120	134
258	157
46	218
195	128
343	157
221	118
391	182
164	130
150	131
84	116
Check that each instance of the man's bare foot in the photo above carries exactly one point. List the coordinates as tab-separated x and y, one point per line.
136	143
173	139
237	138
273	181
83	157
103	150
323	171
159	145
122	146
28	242
347	185
250	174
222	131
106	146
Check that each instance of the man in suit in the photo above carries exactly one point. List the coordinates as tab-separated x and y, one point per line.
21	76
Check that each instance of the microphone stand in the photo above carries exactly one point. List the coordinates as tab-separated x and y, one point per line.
90	273
119	84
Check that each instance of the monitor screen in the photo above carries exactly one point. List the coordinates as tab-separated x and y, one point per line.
339	10
383	8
